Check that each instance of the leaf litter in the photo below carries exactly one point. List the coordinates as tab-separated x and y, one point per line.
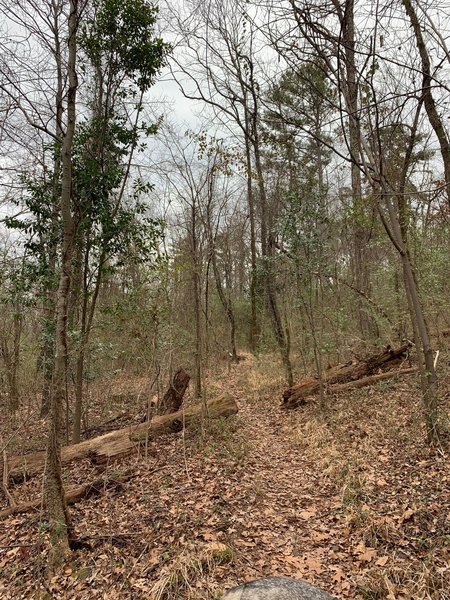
350	499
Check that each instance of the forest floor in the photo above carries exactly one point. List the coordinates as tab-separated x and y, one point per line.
350	498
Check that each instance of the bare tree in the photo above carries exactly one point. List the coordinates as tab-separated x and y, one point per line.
217	168
371	102
221	41
34	44
188	185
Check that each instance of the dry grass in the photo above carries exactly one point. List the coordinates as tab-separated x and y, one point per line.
181	577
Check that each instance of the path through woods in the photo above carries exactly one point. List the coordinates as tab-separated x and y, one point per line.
351	501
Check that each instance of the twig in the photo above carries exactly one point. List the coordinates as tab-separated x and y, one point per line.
109	536
33	545
133	567
11	501
73	495
13	435
436	358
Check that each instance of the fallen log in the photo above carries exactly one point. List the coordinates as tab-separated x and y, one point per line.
341	374
222	407
121	420
370	380
73	495
173	398
122	442
171	402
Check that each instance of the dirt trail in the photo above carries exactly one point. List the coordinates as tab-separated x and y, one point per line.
279	492
344	500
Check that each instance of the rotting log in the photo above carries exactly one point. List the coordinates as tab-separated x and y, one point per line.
73	495
173	398
370	380
122	442
349	372
222	407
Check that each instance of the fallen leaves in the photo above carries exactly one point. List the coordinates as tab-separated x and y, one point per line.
294	494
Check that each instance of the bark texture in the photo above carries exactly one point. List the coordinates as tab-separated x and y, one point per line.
427	82
361	236
54	488
173	398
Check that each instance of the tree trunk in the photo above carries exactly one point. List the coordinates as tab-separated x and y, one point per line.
430	104
196	284
387	359
360	235
173	398
254	329
78	408
225	300
54	489
311	387
87	318
230	311
267	257
427	369
11	358
418	321
47	359
49	291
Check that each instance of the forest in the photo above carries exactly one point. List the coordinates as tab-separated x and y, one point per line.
224	298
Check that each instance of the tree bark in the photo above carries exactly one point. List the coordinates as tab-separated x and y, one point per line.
430	104
360	235
173	398
11	358
267	256
196	284
47	358
427	369
49	291
370	380
87	319
312	386
54	488
254	329
225	300
79	369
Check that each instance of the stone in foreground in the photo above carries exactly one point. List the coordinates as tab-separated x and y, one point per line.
277	588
